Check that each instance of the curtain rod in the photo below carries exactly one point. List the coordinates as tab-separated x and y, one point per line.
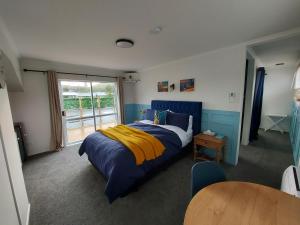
77	74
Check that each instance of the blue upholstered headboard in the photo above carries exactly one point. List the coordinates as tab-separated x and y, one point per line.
191	108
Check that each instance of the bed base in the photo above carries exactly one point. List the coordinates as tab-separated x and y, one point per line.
185	151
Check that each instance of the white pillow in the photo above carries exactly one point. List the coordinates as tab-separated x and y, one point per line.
146	121
190	127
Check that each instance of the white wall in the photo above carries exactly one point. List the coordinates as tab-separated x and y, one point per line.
129	94
278	94
11	149
7	46
31	107
216	74
8	210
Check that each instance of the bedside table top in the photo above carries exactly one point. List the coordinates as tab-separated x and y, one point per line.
209	138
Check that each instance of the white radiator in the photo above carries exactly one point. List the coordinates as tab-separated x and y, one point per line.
290	181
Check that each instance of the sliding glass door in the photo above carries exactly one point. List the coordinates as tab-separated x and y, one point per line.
87	106
105	104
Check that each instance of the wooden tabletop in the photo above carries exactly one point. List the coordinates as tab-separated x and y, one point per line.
209	138
241	203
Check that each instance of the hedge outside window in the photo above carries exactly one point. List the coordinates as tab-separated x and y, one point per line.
74	103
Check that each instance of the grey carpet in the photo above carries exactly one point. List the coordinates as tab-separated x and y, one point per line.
264	160
64	189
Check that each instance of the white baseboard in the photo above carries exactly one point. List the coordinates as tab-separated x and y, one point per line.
28	214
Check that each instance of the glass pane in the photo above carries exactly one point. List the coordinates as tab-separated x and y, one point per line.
104	122
77	100
104	98
77	130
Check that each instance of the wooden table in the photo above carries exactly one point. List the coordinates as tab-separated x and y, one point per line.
211	142
241	203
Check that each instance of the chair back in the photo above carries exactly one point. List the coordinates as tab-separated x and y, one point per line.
206	173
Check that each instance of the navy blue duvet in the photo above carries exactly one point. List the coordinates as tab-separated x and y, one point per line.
117	163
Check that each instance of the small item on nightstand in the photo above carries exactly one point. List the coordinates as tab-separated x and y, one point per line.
219	136
209	132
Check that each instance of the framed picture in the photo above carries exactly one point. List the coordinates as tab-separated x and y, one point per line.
187	85
163	86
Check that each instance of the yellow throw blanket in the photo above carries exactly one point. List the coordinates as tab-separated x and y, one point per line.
143	145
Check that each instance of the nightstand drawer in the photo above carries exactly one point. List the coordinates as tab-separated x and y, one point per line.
208	144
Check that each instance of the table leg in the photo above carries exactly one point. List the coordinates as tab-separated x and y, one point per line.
195	151
222	154
219	151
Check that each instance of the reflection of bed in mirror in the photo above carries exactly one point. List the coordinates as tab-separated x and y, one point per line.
118	164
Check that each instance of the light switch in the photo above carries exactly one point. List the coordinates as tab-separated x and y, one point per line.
232	97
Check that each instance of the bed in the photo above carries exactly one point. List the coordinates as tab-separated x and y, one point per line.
117	164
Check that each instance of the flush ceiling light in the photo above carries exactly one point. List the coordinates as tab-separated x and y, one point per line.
124	43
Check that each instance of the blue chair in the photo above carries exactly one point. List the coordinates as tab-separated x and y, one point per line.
206	173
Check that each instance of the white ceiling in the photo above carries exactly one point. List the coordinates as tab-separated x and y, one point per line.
84	31
286	50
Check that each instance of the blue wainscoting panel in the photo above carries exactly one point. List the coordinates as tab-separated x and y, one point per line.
134	112
130	113
140	109
225	123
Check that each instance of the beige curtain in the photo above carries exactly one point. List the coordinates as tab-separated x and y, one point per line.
55	110
121	98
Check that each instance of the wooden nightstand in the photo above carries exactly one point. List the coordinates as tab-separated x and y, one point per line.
210	142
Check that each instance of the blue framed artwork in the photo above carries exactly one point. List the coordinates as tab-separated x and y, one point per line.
187	85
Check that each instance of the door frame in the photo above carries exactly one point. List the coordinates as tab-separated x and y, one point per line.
244	97
94	116
64	120
248	101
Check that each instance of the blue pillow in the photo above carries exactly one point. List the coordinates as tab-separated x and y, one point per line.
178	119
162	116
150	114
